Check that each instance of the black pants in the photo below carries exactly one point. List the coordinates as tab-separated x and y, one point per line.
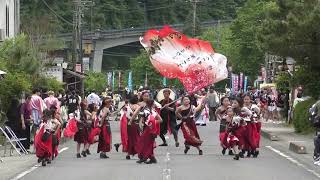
55	143
164	129
317	146
212	114
25	133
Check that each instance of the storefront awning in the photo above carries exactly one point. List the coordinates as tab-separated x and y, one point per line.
81	76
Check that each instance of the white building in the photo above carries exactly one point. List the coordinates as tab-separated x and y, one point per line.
9	18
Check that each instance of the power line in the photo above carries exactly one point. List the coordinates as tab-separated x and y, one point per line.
57	15
135	10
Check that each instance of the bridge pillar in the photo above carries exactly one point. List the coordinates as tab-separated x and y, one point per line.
97	59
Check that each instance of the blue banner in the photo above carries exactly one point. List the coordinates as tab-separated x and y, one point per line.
164	82
245	83
130	81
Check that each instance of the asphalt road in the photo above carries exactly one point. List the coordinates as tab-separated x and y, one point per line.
270	165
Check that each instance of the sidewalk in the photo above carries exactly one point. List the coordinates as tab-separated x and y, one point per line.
11	165
286	134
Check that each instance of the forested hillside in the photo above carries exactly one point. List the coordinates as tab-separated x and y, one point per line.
56	15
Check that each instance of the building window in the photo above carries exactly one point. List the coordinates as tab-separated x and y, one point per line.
7	21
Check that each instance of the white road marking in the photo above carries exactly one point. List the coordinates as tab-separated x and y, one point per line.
25	173
19	176
293	161
63	149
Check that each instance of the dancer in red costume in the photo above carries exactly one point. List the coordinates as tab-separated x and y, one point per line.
220	113
237	105
104	144
252	131
43	137
123	129
81	137
146	143
186	112
233	124
56	136
133	132
95	130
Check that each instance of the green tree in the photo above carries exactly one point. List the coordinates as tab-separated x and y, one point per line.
283	82
239	40
18	55
291	29
21	61
95	81
141	66
247	56
12	86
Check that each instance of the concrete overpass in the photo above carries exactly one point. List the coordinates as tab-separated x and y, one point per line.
111	38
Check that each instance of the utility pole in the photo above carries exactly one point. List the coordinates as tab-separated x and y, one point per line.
77	55
194	2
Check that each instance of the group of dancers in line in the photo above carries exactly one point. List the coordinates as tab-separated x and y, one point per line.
240	126
143	119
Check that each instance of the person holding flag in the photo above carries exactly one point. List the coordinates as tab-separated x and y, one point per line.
186	112
167	113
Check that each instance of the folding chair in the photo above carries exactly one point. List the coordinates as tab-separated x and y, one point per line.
8	139
17	140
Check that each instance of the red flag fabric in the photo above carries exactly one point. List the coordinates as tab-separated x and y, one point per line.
71	128
124	131
192	61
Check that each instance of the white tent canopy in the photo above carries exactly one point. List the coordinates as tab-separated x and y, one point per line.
2	72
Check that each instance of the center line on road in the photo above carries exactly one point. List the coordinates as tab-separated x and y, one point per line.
19	176
293	161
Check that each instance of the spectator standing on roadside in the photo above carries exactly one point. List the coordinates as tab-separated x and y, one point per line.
213	103
26	122
37	106
52	101
72	102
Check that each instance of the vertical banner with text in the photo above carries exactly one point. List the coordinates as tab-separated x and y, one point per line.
241	81
235	83
119	80
109	80
245	83
146	80
164	82
113	80
130	81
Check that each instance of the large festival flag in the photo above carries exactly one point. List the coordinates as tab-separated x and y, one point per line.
245	83
241	81
192	61
130	81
